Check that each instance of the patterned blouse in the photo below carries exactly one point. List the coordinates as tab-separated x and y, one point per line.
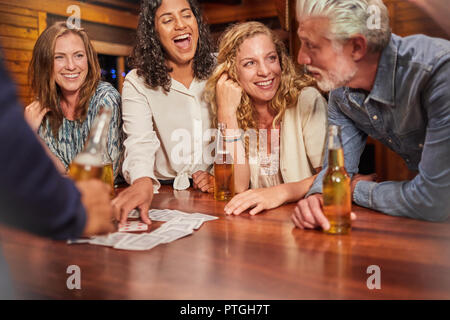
72	135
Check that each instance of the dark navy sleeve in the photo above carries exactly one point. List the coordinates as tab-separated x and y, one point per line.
33	195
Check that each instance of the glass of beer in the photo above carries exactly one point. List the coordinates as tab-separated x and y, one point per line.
337	202
86	166
223	168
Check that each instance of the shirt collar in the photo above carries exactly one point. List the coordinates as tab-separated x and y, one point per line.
178	86
384	87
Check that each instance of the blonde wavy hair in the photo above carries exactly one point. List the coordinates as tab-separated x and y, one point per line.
292	81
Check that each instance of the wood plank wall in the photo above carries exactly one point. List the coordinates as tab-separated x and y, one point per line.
19	29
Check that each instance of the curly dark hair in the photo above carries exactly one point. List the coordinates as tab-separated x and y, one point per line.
148	55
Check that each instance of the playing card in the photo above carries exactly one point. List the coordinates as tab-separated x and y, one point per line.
184	223
157	214
206	217
134	214
108	240
144	241
171	234
132	226
164	215
127	237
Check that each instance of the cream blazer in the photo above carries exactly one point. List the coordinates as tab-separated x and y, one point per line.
303	133
166	133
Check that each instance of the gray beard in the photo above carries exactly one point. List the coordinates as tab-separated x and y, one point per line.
335	79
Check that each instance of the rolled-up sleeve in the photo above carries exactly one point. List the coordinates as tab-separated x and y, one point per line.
141	141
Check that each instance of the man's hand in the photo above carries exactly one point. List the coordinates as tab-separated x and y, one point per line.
259	199
308	213
99	212
139	195
203	181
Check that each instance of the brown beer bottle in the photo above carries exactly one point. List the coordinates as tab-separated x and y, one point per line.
223	167
337	202
89	163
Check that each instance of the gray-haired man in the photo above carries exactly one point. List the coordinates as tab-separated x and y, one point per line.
394	89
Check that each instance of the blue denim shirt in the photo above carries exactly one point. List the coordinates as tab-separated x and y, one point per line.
408	110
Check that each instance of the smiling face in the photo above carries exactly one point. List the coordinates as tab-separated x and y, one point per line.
177	28
328	62
70	65
258	68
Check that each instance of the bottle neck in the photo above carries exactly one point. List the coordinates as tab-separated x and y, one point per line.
336	158
221	139
222	155
335	150
96	143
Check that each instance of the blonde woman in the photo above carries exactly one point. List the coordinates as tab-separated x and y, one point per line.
255	87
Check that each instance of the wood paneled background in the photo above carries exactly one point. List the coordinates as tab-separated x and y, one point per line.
22	21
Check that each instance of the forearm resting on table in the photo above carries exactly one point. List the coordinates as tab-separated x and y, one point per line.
294	191
241	177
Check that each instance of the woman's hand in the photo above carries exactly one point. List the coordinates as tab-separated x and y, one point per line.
139	195
228	97
203	181
34	114
259	199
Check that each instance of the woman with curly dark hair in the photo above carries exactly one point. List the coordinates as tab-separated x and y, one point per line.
163	110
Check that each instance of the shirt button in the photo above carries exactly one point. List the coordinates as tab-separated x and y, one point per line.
375	117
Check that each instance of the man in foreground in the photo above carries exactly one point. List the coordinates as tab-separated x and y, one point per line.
33	196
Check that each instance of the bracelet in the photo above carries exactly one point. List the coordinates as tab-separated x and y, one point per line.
232	138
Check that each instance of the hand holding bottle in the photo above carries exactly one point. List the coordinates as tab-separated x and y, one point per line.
99	212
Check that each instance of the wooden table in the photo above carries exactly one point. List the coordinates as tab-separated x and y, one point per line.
243	257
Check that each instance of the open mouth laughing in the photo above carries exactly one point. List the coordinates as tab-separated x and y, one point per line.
183	41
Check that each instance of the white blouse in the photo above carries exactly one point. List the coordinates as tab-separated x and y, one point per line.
167	133
303	132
